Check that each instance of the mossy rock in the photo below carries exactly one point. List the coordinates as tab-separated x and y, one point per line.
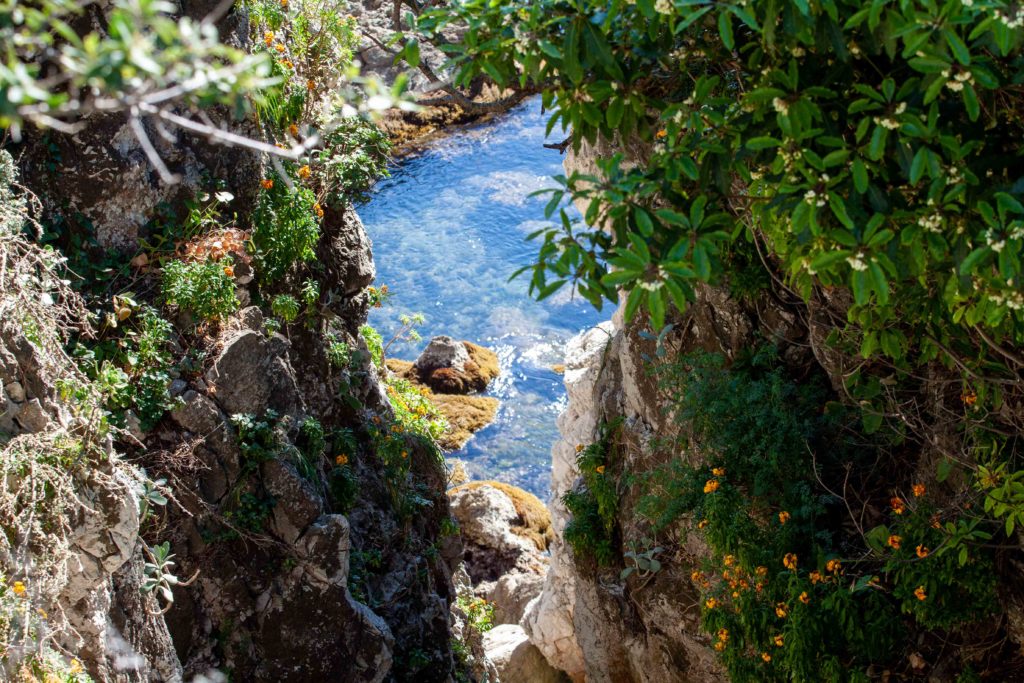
534	522
479	370
465	414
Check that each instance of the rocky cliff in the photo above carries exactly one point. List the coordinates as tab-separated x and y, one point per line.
309	535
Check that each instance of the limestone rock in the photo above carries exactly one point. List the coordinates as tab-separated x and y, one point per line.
486	516
516	659
442	352
252	373
512	593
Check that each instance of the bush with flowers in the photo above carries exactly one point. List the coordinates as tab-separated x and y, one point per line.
789	591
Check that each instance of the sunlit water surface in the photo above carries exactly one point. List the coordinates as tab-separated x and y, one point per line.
448	229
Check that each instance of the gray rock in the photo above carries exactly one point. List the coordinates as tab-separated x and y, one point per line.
516	659
177	388
252	373
485	516
15	392
31	417
252	317
512	593
297	504
345	252
442	352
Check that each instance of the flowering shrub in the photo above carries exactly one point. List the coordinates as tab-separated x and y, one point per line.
788	594
592	532
285	228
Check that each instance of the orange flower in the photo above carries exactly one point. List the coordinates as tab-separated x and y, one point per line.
710	486
723	634
341	460
293	130
781	610
661	133
579	448
18	587
897	505
815	577
922	551
304	172
719	646
894	541
287	63
311	84
229	271
804	598
284	4
729	560
696	576
599	469
268	38
766	657
920	593
318	210
280	48
918	490
267	183
718	471
703	523
405	454
969	398
761	571
778	640
936	524
783	517
711	603
833	565
789	561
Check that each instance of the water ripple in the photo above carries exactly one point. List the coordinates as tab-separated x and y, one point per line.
448	229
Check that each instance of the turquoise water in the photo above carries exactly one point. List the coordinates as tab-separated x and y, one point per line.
448	229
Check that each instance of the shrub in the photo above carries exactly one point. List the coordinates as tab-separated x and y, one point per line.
787	595
286	307
375	344
202	288
285	228
354	156
592	532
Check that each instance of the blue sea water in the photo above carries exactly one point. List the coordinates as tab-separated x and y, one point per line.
448	230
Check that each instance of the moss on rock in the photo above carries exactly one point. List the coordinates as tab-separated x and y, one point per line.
465	415
534	522
448	388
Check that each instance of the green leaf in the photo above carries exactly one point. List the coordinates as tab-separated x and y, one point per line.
860	176
633	302
957	46
839	209
613	115
872	422
656	305
971	102
763	142
725	30
643	221
972	259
